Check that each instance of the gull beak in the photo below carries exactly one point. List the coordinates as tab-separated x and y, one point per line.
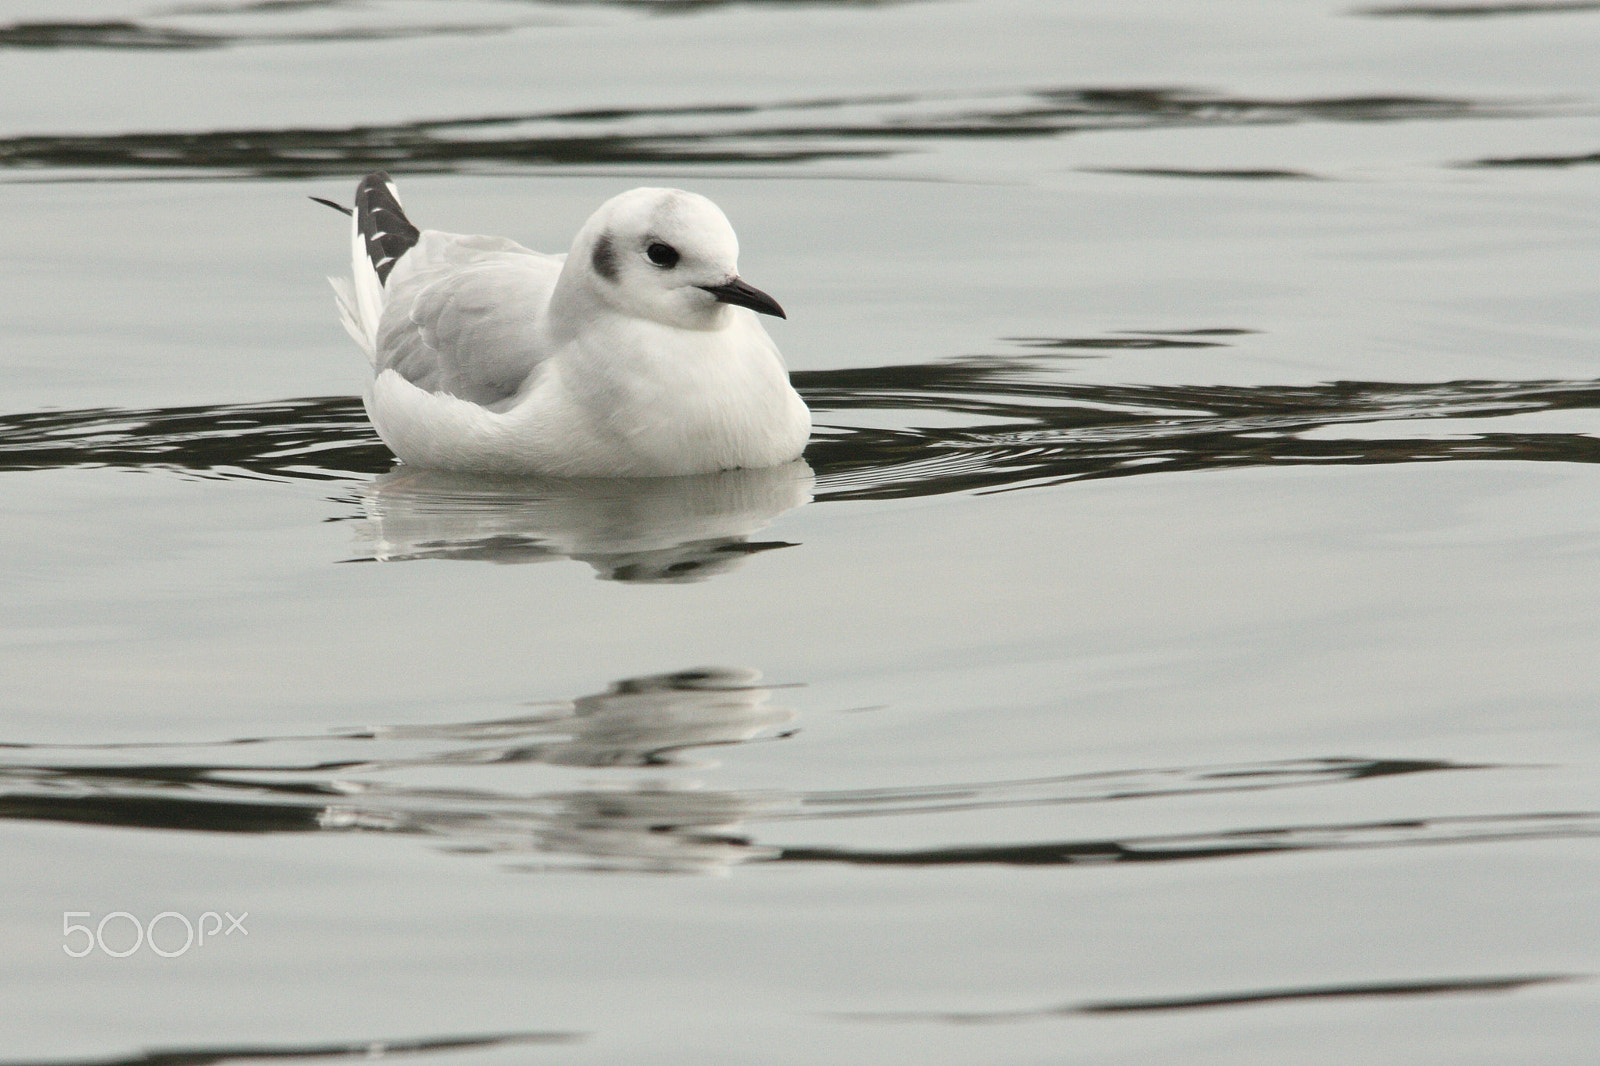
740	294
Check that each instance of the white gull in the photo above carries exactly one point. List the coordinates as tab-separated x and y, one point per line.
637	354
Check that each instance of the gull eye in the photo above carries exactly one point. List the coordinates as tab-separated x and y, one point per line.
662	255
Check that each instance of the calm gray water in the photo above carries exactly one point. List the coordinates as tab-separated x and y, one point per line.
1177	645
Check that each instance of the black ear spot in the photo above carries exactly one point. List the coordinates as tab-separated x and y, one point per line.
604	259
662	255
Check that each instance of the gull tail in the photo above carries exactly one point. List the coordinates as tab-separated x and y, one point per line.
380	234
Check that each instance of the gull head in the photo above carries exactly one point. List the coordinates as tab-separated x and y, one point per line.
668	256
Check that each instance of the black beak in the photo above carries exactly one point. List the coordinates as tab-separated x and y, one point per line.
738	293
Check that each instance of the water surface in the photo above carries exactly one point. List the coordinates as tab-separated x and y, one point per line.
1174	643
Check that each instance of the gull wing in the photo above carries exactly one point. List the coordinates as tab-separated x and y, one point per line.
463	315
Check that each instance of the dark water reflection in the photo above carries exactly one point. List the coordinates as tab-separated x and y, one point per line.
1485	10
201	1055
1182	847
1365	990
160	31
1028	427
1538	161
1220	173
356	781
720	132
1025	426
123	35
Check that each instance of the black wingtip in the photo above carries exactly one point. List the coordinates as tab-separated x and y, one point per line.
382	223
329	203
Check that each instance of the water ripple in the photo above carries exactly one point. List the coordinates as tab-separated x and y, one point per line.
1234	843
1484	10
1029	427
1253	998
120	35
1537	161
721	132
272	22
207	1055
463	787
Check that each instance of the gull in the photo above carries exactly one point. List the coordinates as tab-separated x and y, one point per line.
636	354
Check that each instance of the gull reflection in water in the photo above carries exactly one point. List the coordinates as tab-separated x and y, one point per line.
670	824
639	721
613	781
628	529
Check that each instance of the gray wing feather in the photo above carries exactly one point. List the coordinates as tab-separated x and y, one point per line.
462	315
